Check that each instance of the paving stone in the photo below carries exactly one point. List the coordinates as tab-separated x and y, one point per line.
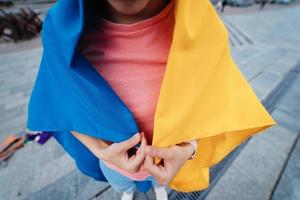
21	169
16	103
19	121
151	195
283	118
290	103
254	172
241	56
259	63
10	113
236	188
109	194
13	130
272	23
64	188
8	98
3	93
52	171
288	187
264	84
286	63
141	196
24	89
272	154
87	187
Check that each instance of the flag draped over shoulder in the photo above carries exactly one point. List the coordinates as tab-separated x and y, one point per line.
203	95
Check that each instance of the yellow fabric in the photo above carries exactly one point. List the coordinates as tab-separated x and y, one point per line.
203	95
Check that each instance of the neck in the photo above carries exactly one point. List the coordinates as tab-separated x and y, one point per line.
152	9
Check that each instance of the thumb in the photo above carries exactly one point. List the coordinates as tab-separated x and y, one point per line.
143	144
163	153
131	142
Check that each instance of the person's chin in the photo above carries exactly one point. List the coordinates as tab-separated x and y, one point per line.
129	7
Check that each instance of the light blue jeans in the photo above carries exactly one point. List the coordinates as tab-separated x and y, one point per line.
119	182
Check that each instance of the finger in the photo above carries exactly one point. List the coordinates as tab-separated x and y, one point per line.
159	172
148	161
151	167
154	170
139	158
164	153
131	142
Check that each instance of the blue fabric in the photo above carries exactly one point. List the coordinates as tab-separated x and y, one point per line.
122	183
69	94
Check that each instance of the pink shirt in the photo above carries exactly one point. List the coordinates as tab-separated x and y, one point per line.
132	59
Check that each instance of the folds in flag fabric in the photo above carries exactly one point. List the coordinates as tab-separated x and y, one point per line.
203	95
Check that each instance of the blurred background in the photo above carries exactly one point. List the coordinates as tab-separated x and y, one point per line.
265	44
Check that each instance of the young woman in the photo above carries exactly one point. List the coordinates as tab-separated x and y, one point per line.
142	93
129	45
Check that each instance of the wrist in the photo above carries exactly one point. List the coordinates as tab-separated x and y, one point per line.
187	149
100	150
99	153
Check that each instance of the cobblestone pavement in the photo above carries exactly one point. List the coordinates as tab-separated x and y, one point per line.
265	46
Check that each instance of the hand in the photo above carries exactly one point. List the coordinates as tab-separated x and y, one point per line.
117	153
172	159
